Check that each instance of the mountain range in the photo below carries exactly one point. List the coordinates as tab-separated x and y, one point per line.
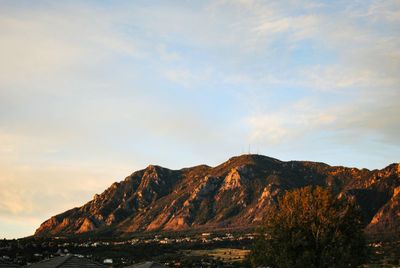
234	194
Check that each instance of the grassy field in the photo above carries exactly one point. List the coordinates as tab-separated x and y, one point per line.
384	254
221	254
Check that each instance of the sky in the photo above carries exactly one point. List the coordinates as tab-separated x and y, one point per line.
91	91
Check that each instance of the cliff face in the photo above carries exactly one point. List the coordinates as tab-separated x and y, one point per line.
236	193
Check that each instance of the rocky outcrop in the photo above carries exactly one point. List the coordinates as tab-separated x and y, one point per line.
387	220
236	193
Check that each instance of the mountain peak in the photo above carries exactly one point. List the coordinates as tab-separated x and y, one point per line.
155	168
253	158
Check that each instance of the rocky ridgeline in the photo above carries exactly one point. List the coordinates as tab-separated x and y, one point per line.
236	193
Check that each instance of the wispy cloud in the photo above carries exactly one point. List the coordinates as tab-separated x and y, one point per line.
292	122
183	77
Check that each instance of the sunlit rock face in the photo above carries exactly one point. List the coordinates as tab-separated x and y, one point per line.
235	194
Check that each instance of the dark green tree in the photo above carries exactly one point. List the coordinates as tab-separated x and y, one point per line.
309	227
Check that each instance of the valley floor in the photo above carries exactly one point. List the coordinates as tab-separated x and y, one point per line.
195	250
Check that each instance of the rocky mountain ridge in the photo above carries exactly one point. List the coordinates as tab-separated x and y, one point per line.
236	193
